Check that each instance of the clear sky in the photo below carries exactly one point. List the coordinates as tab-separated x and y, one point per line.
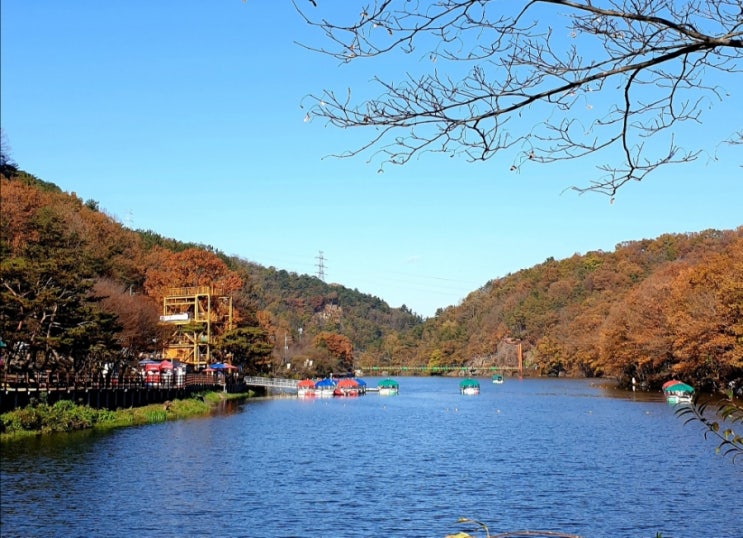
184	117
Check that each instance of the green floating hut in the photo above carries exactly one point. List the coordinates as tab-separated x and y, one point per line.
469	386
388	387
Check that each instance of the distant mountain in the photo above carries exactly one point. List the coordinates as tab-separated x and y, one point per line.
651	310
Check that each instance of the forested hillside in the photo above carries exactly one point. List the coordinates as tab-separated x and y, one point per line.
79	290
652	309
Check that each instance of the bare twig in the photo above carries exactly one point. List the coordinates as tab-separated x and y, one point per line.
524	87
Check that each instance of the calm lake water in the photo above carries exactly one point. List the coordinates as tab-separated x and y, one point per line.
549	454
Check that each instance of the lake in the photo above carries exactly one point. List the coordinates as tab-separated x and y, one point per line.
570	456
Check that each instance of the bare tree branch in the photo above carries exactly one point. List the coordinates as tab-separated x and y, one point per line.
499	77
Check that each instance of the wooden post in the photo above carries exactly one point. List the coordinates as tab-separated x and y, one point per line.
521	362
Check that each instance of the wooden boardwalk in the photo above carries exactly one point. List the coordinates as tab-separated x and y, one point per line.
18	391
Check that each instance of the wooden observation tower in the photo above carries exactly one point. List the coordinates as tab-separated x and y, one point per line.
197	315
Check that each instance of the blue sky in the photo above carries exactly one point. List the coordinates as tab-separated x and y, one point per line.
185	118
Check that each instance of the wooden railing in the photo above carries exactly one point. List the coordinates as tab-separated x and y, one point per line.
193	291
45	381
272	382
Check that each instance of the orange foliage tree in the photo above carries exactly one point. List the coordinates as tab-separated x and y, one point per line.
20	203
112	251
338	346
190	267
706	309
636	338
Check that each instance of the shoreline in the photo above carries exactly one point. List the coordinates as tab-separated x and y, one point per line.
65	416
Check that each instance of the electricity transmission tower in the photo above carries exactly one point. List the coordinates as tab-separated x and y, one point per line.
321	266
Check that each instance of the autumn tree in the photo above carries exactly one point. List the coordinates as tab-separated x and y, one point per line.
20	205
190	267
137	314
115	252
390	350
609	82
706	308
112	251
637	337
338	347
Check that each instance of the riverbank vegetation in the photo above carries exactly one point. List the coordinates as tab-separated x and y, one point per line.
66	416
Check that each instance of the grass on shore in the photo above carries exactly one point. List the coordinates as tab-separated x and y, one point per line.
65	416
